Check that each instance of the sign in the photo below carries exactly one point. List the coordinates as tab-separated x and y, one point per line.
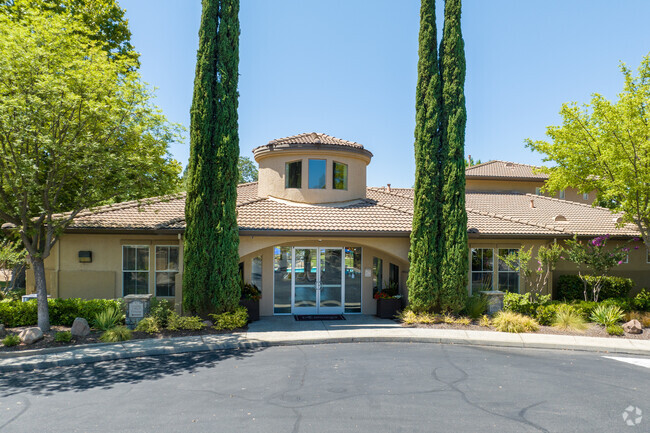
136	309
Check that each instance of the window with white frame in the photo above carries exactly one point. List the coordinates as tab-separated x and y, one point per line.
135	269
482	269
166	270
508	278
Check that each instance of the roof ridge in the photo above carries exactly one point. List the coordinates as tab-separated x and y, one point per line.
318	136
387	206
515	220
128	204
251	201
572	202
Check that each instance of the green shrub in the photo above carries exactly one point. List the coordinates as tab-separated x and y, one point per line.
119	333
570	287
507	321
625	304
607	315
190	323
148	325
615	330
231	320
63	337
476	306
545	314
15	313
108	319
160	309
642	300
485	321
524	303
570	319
11	340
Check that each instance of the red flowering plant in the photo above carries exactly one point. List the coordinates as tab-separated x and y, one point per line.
250	291
391	291
595	257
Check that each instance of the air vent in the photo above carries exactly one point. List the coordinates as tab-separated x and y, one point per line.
559	218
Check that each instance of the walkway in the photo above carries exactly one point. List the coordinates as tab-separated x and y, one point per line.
284	330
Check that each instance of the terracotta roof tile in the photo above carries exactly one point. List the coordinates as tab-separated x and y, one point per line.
490	214
504	170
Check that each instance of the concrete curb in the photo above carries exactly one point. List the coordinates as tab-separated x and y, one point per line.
90	353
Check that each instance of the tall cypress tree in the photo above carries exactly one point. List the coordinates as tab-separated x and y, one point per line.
425	255
455	264
211	255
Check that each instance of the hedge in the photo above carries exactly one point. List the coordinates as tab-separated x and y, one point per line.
62	311
570	287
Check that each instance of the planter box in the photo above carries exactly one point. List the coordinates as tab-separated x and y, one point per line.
388	308
253	308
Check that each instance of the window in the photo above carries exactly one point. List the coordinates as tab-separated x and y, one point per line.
317	169
293	174
627	258
377	274
508	280
166	270
393	273
282	280
482	269
585	196
562	194
353	280
538	191
256	272
339	175
135	269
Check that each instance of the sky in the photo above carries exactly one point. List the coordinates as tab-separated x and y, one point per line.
348	68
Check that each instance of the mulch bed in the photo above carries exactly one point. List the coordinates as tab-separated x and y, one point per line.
593	330
93	337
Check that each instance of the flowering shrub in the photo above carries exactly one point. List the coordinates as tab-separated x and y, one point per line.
385	295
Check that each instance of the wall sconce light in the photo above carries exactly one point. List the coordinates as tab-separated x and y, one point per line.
85	256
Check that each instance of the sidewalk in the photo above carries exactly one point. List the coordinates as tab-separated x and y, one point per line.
284	330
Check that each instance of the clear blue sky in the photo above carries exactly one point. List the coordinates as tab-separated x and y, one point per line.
348	68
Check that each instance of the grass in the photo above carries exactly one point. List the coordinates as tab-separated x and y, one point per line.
485	321
507	321
107	319
569	319
464	321
11	340
63	337
607	315
119	333
476	306
615	330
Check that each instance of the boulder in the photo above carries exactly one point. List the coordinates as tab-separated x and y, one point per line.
3	331
208	323
31	335
80	327
633	327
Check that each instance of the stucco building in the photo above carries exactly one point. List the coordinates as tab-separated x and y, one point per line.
316	239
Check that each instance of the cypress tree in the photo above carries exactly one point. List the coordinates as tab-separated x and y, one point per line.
211	255
455	263
425	255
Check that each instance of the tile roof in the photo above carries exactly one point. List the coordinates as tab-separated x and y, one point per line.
314	138
381	211
504	170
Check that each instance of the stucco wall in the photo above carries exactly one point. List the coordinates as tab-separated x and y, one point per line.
272	176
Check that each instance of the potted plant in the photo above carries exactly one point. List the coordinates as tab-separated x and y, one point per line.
250	299
389	301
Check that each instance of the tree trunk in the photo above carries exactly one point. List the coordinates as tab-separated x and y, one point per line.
41	292
17	277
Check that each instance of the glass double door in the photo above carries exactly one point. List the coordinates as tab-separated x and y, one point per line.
318	281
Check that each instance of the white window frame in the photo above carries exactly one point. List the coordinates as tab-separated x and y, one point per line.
148	271
499	271
156	271
471	271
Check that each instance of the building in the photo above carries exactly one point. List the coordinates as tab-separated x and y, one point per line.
315	238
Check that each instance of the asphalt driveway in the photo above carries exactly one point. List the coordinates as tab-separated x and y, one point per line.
364	387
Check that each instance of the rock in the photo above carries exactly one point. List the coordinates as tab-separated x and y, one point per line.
3	332
31	335
208	323
633	327
80	327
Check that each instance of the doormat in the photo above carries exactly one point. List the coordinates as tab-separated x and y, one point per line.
306	317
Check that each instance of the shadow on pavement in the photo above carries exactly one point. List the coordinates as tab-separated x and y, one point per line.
105	374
